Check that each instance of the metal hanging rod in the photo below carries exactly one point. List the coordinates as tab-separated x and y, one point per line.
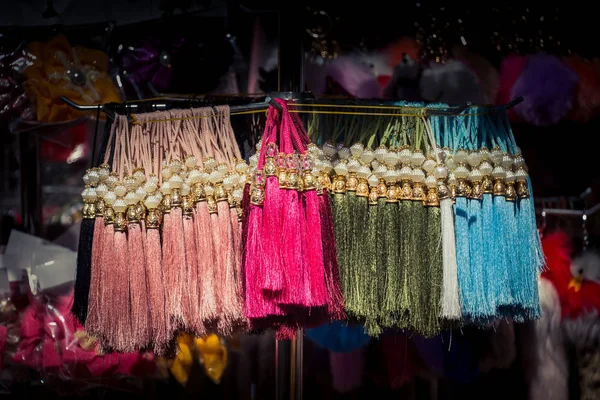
574	213
305	98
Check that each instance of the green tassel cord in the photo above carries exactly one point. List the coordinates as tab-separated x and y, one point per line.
341	224
404	214
433	271
355	302
375	276
392	303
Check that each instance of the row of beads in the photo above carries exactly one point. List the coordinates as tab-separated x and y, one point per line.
184	184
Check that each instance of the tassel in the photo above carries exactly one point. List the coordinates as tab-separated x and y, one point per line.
219	248
374	274
434	271
156	290
358	209
237	239
83	274
292	245
206	262
417	285
315	277
498	251
138	294
468	299
392	305
354	264
451	309
230	312
255	307
174	263
341	223
93	315
272	220
405	247
244	236
118	284
191	306
332	276
531	256
483	305
105	326
517	279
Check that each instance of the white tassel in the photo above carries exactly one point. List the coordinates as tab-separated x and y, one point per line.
450	297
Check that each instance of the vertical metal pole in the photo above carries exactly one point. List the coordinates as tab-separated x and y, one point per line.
290	79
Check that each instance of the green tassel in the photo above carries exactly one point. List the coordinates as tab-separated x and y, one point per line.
370	282
357	302
381	259
417	279
404	214
392	307
352	263
339	206
433	271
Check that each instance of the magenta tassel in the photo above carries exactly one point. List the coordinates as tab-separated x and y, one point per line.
293	228
315	277
272	219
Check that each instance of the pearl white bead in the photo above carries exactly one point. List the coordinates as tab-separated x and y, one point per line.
353	165
460	156
499	173
373	180
94	176
440	172
120	190
110	197
194	176
364	172
344	153
191	162
405	172
486	168
130	198
450	163
496	156
101	190
140	193
475	175
241	167
151	202
417	175
521	174
175	181
356	149
461	172
254	160
388	176
417	158
149	187
130	183
166	173
474	158
429	165
165	188
210	163
103	172
380	153
228	182
175	166
452	179
341	168
214	176
380	170
185	189
139	176
507	161
405	156
112	181
119	206
510	177
238	194
430	181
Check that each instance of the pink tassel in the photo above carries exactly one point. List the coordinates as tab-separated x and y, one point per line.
191	298
140	316
105	326
315	277
272	278
93	316
332	276
254	307
292	238
180	262
236	229
206	263
220	248
173	262
156	290
118	291
230	305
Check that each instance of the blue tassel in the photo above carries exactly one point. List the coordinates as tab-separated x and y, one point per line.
468	299
499	251
484	301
